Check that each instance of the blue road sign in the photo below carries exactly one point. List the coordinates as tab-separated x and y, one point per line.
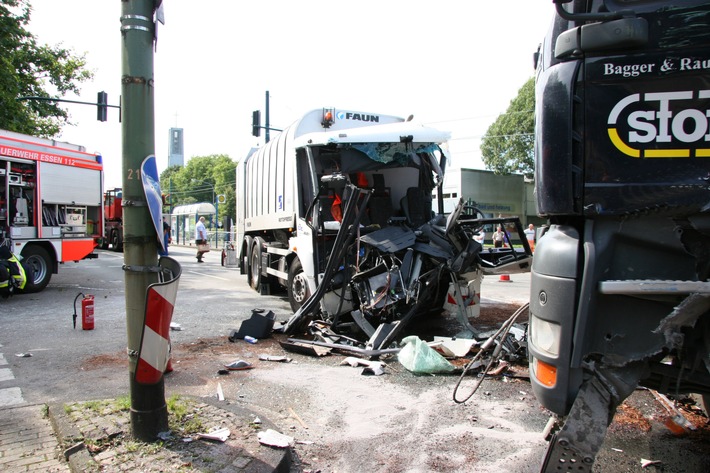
151	188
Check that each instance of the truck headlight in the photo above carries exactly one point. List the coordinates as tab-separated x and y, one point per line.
545	335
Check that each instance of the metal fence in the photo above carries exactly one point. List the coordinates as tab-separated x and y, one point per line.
219	239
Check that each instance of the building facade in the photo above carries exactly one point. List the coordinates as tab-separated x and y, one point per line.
176	149
496	195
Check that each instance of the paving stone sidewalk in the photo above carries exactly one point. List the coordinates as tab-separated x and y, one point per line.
76	438
27	441
102	442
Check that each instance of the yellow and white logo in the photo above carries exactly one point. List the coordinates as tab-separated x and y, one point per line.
662	125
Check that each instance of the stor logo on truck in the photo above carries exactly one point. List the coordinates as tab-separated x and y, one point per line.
662	124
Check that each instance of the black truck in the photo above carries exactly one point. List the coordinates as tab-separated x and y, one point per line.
620	295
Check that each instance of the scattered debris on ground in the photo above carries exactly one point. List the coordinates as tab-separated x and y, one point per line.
201	437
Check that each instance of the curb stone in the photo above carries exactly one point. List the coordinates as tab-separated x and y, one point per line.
68	435
257	459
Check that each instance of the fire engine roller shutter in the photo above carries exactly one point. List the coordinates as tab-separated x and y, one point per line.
56	179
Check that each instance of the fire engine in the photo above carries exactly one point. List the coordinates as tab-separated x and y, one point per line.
50	203
113	220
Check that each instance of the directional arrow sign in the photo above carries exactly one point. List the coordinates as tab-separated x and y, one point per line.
151	188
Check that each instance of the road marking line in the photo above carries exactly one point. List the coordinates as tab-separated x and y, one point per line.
73	286
113	255
3	361
6	374
11	397
208	275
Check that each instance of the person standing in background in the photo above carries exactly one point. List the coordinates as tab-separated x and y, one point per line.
166	238
200	237
498	237
530	235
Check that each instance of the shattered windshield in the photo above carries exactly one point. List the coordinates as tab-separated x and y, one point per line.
374	156
401	153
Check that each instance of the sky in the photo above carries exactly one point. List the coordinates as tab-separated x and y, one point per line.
454	65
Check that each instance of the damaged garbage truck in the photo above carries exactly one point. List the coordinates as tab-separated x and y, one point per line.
338	210
619	289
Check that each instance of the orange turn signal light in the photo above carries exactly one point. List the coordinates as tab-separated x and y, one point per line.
545	373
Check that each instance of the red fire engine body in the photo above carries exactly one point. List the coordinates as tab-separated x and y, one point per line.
50	203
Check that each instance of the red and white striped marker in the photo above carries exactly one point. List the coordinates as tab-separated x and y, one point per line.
468	300
154	354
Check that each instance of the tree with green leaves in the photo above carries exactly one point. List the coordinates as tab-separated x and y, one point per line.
28	68
507	146
202	179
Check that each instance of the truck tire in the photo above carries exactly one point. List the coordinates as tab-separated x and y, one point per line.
255	264
298	291
117	240
38	259
245	255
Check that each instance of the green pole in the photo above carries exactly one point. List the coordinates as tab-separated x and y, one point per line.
149	413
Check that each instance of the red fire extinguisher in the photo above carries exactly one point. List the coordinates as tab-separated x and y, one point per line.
87	312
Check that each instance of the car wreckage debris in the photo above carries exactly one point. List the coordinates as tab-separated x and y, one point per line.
239	365
375	368
304	347
277	358
393	274
419	358
345	348
273	438
495	344
219	435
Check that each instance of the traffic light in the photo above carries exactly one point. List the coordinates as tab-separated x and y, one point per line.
101	106
256	123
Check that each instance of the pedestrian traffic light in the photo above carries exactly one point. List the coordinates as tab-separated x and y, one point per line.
101	106
256	123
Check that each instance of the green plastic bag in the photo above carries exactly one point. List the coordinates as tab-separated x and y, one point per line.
419	358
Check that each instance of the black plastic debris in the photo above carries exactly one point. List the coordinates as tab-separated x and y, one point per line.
259	325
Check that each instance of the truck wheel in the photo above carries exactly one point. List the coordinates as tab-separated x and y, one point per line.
117	240
255	264
298	291
37	258
244	257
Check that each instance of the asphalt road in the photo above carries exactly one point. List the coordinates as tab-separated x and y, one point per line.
349	422
211	301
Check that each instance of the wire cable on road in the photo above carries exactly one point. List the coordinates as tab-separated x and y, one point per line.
496	340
